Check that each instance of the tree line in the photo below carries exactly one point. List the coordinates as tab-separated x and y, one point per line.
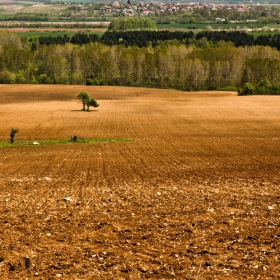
171	64
26	17
263	87
132	23
78	38
144	38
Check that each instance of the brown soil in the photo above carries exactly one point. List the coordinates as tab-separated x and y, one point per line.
195	195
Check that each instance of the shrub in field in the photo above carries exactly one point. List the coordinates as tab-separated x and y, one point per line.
92	103
87	100
74	138
13	133
84	97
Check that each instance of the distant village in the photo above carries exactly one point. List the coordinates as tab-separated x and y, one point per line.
144	8
155	8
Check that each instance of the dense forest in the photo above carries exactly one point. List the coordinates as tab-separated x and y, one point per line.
154	38
196	65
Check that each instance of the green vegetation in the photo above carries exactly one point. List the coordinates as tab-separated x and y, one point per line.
25	17
133	53
56	142
53	34
34	33
264	87
228	88
132	24
91	102
86	100
257	34
74	138
208	60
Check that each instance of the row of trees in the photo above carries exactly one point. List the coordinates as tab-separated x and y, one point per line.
132	23
127	38
154	38
26	17
78	38
237	37
144	38
171	64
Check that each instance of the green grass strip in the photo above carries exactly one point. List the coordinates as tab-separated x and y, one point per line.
56	142
30	34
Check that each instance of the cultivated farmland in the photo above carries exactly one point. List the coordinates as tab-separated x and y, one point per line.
193	195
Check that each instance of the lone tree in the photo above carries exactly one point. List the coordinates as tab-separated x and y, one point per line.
85	98
92	103
13	133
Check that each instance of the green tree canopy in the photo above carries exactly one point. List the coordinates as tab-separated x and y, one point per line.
85	98
132	24
92	103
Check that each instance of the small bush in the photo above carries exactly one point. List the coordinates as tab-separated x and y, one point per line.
13	133
74	138
247	89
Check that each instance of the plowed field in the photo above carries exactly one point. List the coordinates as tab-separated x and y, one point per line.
194	195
